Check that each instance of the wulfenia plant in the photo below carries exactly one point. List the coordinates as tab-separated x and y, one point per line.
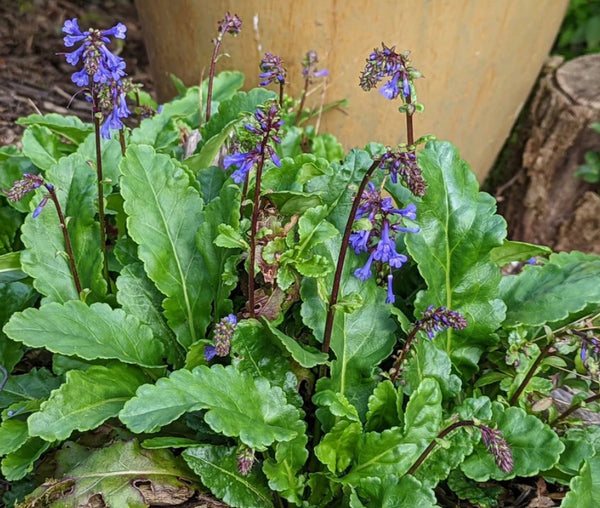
219	299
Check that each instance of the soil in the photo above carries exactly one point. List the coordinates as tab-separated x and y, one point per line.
34	77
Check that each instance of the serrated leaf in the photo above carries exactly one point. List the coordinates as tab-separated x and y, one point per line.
393	492
383	407
306	356
160	132
161	206
257	353
282	472
580	444
85	400
13	435
69	127
380	454
337	448
237	405
584	489
431	361
293	202
511	251
217	466
484	496
566	284
45	258
459	228
17	464
139	297
534	447
423	413
35	384
90	332
115	475
230	238
15	296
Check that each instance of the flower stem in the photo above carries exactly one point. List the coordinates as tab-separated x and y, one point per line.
302	100
410	111
254	228
211	75
433	444
68	247
100	175
337	278
281	85
396	369
575	407
530	373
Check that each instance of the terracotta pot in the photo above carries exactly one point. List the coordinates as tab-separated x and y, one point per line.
480	58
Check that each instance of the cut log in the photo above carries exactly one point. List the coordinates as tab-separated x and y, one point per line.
543	202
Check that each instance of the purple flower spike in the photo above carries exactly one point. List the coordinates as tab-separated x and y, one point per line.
498	447
272	70
440	319
23	186
230	24
309	67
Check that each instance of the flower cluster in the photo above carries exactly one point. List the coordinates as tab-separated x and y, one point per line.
403	163
498	447
102	70
245	460
272	70
386	63
230	24
309	67
379	239
222	338
25	185
440	319
267	126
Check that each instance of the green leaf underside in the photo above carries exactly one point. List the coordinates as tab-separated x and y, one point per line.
89	332
161	206
114	474
217	466
237	404
459	228
17	464
565	285
85	400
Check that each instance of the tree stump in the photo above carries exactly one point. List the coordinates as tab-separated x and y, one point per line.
543	202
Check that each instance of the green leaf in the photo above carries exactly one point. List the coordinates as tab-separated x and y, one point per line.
293	202
580	444
157	443
114	476
338	447
393	492
485	496
85	400
384	407
566	284
45	258
90	332
423	414
10	267
459	228
584	489
534	447
237	404
511	251
306	356
257	353
17	464
35	384
220	125
41	146
139	297
69	127
431	361
10	223
161	206
282	472
295	173
13	435
230	238
217	467
160	132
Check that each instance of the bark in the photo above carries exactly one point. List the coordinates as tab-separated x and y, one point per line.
543	202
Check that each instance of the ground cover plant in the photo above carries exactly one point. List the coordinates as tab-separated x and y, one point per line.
212	296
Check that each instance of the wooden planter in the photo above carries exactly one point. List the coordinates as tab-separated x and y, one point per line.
480	58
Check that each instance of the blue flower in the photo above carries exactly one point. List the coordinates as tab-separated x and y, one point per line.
391	298
359	241
309	67
209	353
273	70
386	249
365	273
390	90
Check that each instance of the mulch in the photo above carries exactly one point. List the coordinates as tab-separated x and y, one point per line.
34	77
